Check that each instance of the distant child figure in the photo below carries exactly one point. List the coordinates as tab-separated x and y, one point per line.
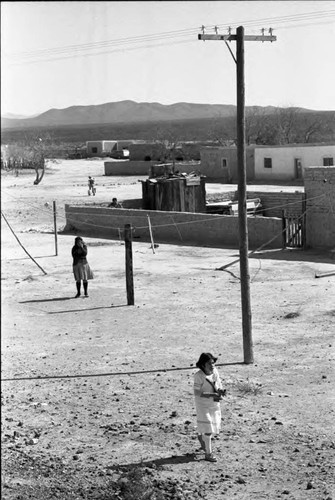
115	204
208	394
81	268
91	187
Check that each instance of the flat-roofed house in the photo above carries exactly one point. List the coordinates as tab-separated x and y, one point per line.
269	163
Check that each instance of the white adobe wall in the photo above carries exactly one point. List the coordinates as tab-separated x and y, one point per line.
283	160
94	144
211	163
107	146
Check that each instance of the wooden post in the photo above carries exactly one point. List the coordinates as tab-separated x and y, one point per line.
283	228
55	227
150	231
242	200
129	265
303	221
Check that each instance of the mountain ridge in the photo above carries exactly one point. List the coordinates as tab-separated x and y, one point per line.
128	111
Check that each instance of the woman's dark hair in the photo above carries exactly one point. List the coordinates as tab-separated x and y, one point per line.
78	238
204	357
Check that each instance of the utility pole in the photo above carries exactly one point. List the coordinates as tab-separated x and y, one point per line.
55	226
129	264
240	37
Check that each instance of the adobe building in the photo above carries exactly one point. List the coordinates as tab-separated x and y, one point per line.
268	163
105	148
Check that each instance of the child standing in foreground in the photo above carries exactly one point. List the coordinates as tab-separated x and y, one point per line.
208	394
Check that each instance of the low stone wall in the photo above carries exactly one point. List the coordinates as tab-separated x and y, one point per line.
130	167
127	167
320	206
275	202
172	227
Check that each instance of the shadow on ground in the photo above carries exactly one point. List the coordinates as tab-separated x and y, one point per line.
296	254
159	462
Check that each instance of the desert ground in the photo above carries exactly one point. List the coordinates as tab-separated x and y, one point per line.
97	396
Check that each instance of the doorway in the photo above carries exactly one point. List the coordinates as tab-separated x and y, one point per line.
298	168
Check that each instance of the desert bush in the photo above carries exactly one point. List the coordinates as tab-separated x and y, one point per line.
248	387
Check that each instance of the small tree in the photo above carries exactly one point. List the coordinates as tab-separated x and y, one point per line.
258	126
220	133
287	125
31	152
170	145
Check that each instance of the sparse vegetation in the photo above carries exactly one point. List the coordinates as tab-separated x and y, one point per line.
31	152
248	387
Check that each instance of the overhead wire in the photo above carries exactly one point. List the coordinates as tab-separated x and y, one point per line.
125	43
87	224
113	214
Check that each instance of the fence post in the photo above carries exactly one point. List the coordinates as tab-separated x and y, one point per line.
151	237
303	221
55	227
284	229
129	265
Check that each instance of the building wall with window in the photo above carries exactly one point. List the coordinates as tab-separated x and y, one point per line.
97	148
219	163
287	162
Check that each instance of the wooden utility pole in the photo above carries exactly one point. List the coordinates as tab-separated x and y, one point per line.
242	200
55	227
129	265
242	177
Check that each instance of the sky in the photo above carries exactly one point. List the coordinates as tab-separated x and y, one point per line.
62	54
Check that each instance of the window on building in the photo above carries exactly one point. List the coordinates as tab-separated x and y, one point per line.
94	150
328	161
267	162
224	163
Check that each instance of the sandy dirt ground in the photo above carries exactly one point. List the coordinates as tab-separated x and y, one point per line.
97	396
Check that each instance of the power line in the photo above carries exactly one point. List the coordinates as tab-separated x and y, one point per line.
150	41
176	33
110	51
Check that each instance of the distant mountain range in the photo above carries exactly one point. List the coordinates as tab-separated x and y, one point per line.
15	117
124	112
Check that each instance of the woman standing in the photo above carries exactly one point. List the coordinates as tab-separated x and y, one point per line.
208	394
81	268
